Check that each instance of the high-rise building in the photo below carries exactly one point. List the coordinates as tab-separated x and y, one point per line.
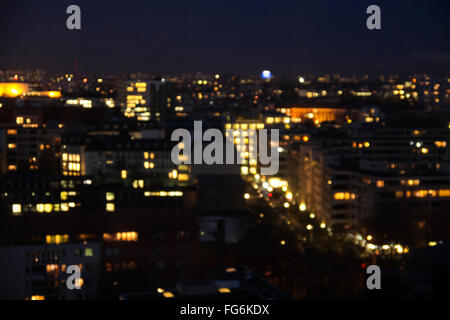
145	100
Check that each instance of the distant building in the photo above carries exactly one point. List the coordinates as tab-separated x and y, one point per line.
133	162
378	180
146	100
25	148
116	253
38	271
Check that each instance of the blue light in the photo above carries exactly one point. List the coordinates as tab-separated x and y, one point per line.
266	74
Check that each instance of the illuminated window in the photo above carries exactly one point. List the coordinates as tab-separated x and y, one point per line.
12	167
50	268
16	208
123	174
129	236
432	193
173	174
88	252
183	177
380	183
138	184
412	182
79	282
48	207
110	196
56	238
11	131
110	207
444	193
12	146
37	297
420	193
163	193
64	207
339	196
344	196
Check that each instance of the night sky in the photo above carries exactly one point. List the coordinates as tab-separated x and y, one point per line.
246	36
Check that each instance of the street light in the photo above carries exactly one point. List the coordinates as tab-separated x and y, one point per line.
302	206
310	227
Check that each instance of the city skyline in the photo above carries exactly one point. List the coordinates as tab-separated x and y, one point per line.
224	150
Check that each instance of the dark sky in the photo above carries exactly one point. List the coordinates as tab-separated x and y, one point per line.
246	36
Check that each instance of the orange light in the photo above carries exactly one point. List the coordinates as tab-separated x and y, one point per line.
13	89
168	294
224	290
